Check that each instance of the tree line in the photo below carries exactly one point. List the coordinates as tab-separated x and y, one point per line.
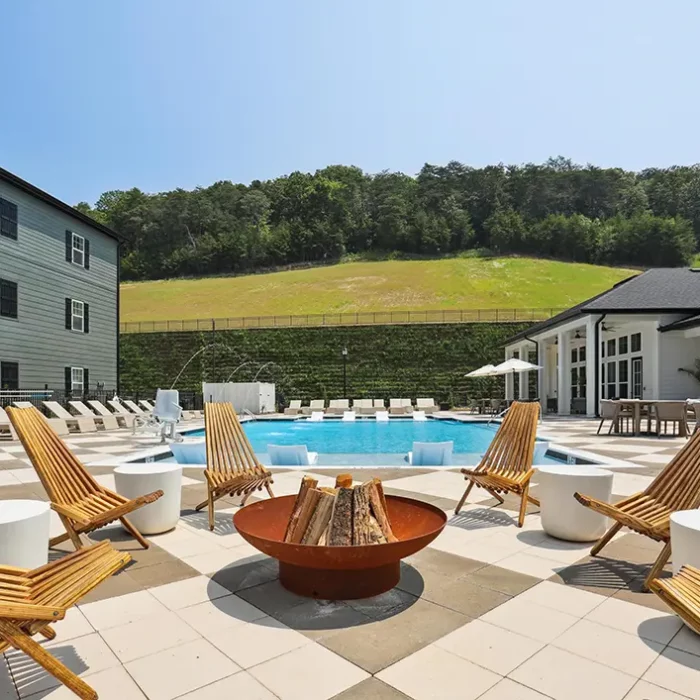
557	209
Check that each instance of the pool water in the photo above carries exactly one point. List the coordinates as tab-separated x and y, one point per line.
371	442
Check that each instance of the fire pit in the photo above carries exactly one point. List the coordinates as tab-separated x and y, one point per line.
339	573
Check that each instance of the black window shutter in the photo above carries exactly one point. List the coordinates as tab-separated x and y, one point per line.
68	380
87	254
69	246
86	318
86	379
69	311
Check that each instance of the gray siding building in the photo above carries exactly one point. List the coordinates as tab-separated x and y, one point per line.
59	294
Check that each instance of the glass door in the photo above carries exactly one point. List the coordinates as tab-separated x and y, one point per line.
637	375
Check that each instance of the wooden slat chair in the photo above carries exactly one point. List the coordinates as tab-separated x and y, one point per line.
677	487
682	594
232	467
507	465
82	504
32	600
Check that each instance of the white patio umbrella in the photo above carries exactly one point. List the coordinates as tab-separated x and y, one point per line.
485	371
514	365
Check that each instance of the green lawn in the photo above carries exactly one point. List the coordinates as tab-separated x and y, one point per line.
455	283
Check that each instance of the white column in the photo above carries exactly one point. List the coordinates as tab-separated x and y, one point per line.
564	376
510	384
524	381
590	367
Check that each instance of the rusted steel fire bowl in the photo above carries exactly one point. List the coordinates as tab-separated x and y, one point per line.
339	573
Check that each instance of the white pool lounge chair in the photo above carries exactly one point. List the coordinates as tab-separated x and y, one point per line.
406	403
146	405
427	405
363	406
381	416
378	404
134	407
400	406
58	425
349	416
431	454
80	423
316	416
108	422
338	406
294	408
314	405
7	432
22	404
125	419
419	416
291	456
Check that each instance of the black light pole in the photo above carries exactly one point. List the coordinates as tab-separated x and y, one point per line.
344	353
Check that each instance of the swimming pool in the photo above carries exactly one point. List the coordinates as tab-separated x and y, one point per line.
371	442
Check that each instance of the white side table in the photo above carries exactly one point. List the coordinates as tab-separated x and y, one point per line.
685	539
562	515
134	480
24	533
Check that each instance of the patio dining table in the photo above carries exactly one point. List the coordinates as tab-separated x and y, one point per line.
637	404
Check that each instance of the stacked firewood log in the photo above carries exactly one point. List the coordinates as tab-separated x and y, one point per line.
341	516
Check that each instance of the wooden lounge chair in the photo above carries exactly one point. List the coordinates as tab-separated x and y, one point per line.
677	487
682	594
32	600
232	467
507	465
81	503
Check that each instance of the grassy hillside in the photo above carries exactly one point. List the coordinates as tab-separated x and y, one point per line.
456	283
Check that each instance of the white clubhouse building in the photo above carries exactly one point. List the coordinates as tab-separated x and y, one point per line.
632	341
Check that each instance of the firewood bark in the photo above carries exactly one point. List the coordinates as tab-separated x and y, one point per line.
307	483
320	519
343	481
361	529
378	503
306	511
340	532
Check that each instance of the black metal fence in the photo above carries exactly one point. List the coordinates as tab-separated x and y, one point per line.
366	318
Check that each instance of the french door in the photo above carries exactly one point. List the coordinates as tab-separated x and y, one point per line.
637	374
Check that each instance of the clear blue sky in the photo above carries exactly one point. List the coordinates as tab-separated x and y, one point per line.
100	95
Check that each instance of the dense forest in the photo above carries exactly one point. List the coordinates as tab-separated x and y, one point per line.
557	209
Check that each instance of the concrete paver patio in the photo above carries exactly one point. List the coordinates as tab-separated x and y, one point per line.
487	611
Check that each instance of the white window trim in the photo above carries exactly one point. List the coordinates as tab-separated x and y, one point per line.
74	316
77	385
77	239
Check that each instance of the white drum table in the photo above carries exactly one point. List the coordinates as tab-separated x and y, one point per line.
24	533
685	539
134	480
562	515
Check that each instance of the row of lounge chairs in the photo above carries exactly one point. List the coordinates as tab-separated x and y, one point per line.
361	406
124	414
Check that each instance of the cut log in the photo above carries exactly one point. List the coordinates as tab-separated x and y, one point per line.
306	511
343	481
323	541
376	531
320	519
329	490
307	483
378	503
361	528
340	532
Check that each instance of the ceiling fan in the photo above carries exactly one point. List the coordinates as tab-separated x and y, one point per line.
606	328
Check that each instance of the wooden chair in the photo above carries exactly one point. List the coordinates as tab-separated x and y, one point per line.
81	503
682	594
232	467
507	465
677	487
32	600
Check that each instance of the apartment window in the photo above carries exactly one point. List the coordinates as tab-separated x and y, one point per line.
77	316
77	250
636	342
8	219
77	375
9	375
622	345
8	299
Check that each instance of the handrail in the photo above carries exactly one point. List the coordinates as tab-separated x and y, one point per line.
359	318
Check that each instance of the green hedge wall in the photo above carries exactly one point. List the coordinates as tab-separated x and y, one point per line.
306	363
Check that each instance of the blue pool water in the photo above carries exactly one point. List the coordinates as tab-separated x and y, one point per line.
370	442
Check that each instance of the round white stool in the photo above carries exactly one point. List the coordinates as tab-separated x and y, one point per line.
562	515
134	480
24	533
685	539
